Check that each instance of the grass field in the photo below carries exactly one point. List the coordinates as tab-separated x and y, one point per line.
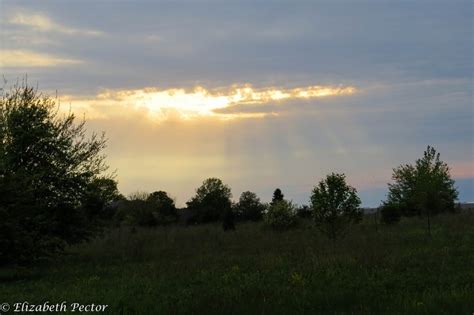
202	270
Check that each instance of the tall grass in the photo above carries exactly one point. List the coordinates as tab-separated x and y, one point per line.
201	269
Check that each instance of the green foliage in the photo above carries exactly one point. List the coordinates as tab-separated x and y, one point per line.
249	207
335	205
212	199
304	212
100	193
390	213
424	188
47	168
281	215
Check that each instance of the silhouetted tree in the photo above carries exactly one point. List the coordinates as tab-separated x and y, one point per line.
335	205
100	193
211	201
137	211
164	206
425	188
249	207
277	196
47	167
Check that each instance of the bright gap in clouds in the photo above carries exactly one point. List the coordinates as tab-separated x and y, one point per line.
182	104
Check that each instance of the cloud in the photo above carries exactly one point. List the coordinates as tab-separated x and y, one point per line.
179	103
43	23
27	59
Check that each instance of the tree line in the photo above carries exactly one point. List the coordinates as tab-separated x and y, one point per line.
55	188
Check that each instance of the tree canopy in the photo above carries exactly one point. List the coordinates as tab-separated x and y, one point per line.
211	201
277	196
423	187
47	167
164	205
335	204
249	207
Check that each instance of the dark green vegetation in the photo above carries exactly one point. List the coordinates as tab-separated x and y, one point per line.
203	270
53	185
424	189
335	205
281	215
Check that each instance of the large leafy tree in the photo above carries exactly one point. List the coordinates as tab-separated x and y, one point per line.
211	201
164	205
47	167
425	188
249	207
335	205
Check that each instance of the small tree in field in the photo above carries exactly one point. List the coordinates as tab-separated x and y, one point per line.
425	188
48	168
335	205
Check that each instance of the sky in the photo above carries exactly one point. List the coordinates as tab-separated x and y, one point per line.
262	94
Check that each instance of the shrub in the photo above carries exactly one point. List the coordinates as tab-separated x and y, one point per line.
390	213
304	212
281	215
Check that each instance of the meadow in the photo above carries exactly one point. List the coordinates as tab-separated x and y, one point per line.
375	269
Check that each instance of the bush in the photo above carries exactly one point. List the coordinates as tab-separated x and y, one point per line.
304	212
281	215
390	213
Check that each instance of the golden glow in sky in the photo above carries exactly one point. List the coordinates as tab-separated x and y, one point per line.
178	103
25	59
